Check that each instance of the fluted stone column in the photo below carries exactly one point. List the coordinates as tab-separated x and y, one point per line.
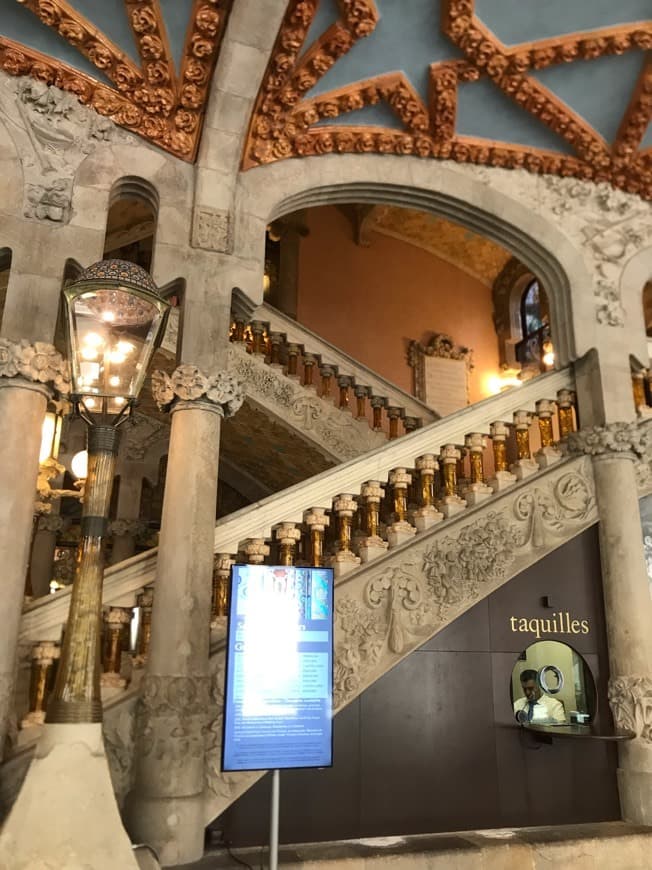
165	809
628	608
28	372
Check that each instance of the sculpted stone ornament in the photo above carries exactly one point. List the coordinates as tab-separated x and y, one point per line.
189	383
630	699
619	438
337	433
121	527
40	363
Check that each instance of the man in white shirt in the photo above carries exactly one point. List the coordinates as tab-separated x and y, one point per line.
537	708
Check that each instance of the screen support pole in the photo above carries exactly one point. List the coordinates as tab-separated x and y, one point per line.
273	821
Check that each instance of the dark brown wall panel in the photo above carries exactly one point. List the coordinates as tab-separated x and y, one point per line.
433	746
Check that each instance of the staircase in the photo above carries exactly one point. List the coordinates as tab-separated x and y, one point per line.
404	572
322	396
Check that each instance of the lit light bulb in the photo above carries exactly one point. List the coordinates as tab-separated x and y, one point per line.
114	381
89	372
116	357
108	316
90	402
124	347
79	464
89	353
549	359
119	400
92	339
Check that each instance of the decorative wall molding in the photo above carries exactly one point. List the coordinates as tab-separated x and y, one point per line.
163	104
212	230
284	119
189	383
53	134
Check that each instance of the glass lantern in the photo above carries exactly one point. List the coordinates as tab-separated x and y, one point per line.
50	435
115	320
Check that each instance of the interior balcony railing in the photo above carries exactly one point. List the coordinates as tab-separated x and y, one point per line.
346	517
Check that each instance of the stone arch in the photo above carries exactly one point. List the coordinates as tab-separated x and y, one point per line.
459	193
636	274
163	179
131	221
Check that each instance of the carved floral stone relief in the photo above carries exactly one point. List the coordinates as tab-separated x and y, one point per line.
342	436
53	134
630	699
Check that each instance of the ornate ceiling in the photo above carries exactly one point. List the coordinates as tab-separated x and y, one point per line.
555	86
146	64
474	254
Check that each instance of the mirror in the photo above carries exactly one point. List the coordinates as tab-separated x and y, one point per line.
552	685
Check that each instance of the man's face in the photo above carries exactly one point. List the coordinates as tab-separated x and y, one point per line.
531	691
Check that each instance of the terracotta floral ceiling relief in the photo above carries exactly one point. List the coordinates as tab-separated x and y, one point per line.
285	117
152	98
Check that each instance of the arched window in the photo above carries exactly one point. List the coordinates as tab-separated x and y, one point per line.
535	347
522	321
131	222
533	309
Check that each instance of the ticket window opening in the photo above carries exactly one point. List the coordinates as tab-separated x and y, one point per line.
552	685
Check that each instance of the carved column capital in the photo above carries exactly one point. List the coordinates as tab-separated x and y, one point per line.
188	384
50	523
630	699
121	527
37	363
615	439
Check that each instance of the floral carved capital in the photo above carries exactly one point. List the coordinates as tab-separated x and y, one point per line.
630	699
189	383
39	363
613	438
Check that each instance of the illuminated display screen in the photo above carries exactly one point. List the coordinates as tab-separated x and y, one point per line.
279	669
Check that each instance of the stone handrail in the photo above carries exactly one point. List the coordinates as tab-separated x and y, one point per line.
256	521
295	333
43	618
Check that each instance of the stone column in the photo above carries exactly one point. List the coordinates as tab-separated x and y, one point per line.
628	608
27	371
42	561
125	533
165	809
126	527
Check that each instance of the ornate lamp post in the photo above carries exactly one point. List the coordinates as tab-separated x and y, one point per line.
115	320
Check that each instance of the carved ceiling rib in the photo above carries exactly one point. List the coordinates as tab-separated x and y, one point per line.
637	116
284	119
155	100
